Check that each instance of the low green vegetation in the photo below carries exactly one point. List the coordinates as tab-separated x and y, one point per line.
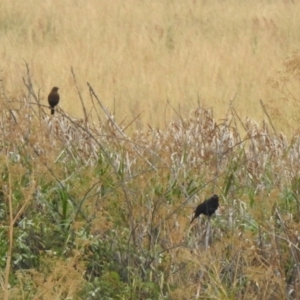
87	212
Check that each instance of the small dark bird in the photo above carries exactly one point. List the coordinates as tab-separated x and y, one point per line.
208	207
53	99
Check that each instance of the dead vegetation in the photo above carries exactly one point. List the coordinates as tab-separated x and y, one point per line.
91	212
187	52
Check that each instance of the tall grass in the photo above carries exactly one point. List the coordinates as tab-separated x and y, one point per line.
160	108
90	212
145	59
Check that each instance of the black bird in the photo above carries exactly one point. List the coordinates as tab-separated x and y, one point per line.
208	207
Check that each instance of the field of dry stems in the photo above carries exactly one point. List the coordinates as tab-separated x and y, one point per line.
163	104
88	212
146	58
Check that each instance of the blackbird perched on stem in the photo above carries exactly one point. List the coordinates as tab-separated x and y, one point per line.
208	207
53	99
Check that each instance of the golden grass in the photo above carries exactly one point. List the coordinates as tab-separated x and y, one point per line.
138	55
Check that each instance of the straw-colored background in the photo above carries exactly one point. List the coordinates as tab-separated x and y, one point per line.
138	55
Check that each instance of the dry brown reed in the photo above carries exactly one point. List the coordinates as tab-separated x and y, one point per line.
157	175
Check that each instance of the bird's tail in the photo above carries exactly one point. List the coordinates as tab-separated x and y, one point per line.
52	111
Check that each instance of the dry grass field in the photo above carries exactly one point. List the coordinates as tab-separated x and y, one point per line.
163	103
151	60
